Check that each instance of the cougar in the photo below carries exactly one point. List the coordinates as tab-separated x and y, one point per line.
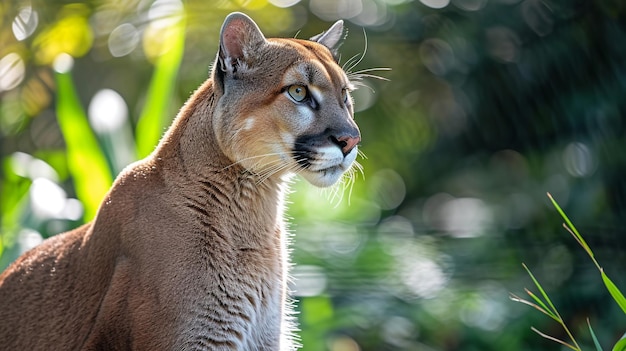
188	250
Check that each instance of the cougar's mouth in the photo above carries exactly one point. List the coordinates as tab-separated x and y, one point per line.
324	158
323	166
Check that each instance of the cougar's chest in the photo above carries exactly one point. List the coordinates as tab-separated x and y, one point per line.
239	306
235	267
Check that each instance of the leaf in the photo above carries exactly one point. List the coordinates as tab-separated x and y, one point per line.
516	298
543	293
86	162
614	291
155	112
577	235
621	344
546	336
593	336
542	307
13	202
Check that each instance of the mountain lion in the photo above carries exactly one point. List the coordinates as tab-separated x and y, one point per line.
188	248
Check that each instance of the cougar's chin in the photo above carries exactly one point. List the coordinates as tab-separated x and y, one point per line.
323	178
326	171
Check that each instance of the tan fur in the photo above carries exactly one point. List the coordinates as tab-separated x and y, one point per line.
188	249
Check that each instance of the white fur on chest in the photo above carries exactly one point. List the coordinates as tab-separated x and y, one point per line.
237	317
242	304
239	301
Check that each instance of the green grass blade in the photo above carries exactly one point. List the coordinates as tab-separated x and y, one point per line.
593	336
13	199
578	237
86	162
543	293
155	114
542	307
546	336
614	291
621	344
516	298
555	314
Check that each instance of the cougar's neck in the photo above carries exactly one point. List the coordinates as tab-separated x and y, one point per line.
190	142
209	183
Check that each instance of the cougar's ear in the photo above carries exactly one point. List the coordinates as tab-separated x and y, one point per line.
238	38
332	37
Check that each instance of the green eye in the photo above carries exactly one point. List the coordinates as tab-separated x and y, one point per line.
297	92
344	95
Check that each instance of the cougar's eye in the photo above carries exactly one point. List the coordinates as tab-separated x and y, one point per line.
297	92
344	95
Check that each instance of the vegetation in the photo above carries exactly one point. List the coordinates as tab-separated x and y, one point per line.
490	104
546	306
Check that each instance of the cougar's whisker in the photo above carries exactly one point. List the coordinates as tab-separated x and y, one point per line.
362	55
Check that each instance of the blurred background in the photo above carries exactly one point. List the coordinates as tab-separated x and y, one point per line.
489	105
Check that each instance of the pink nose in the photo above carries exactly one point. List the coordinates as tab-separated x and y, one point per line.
347	143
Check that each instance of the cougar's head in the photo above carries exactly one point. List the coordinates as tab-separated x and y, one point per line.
285	104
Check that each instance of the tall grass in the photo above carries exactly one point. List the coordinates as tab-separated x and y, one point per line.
86	160
543	304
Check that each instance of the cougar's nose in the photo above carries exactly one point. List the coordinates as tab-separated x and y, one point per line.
346	143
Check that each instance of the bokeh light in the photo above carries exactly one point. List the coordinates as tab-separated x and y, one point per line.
63	63
11	71
309	280
47	197
284	3
28	239
362	12
578	160
25	23
107	111
28	166
123	40
435	4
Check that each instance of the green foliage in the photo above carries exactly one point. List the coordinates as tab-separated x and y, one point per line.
611	287
157	111
548	307
86	161
596	343
621	344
